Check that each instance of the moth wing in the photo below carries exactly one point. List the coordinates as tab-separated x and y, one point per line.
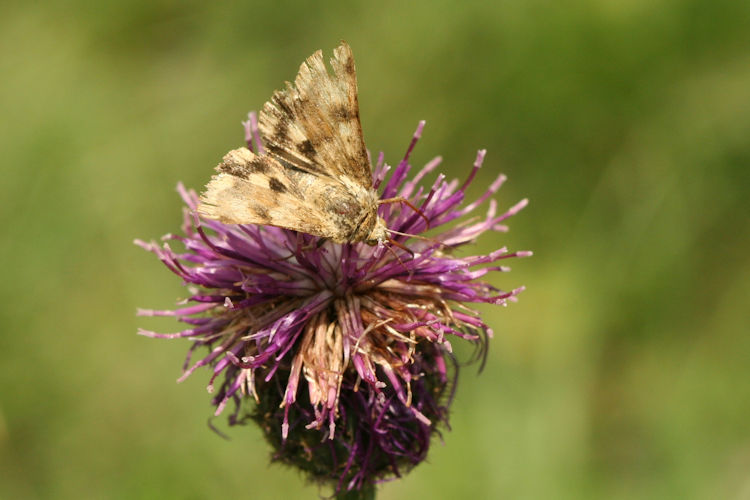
314	124
253	189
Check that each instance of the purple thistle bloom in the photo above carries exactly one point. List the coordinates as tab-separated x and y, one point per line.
345	348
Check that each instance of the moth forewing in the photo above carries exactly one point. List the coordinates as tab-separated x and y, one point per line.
314	124
316	176
257	189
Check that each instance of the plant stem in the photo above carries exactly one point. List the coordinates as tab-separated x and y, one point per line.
366	493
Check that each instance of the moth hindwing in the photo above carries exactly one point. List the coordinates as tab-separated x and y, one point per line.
315	176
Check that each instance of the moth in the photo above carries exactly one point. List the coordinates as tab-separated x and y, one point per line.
315	176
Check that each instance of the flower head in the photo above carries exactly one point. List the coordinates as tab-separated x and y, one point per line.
344	348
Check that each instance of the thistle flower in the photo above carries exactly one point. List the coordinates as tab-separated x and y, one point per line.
345	349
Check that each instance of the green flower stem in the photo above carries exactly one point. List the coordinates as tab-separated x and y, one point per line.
366	493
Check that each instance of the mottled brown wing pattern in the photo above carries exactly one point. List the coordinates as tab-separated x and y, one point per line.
257	189
314	124
316	176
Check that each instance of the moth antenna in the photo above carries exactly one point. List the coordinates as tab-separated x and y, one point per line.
431	240
407	202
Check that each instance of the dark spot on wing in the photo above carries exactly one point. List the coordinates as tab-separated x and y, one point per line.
362	159
259	165
343	113
281	154
234	169
349	65
261	212
281	130
276	185
278	100
306	148
290	159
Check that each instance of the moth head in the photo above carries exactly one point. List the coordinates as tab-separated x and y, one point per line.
378	234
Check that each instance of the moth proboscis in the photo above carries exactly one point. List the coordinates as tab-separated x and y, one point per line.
315	176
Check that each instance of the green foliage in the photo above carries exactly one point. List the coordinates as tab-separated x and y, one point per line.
622	372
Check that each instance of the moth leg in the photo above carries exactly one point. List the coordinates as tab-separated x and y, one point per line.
401	246
301	248
391	241
282	259
409	204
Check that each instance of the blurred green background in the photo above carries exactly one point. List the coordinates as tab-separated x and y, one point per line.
624	370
